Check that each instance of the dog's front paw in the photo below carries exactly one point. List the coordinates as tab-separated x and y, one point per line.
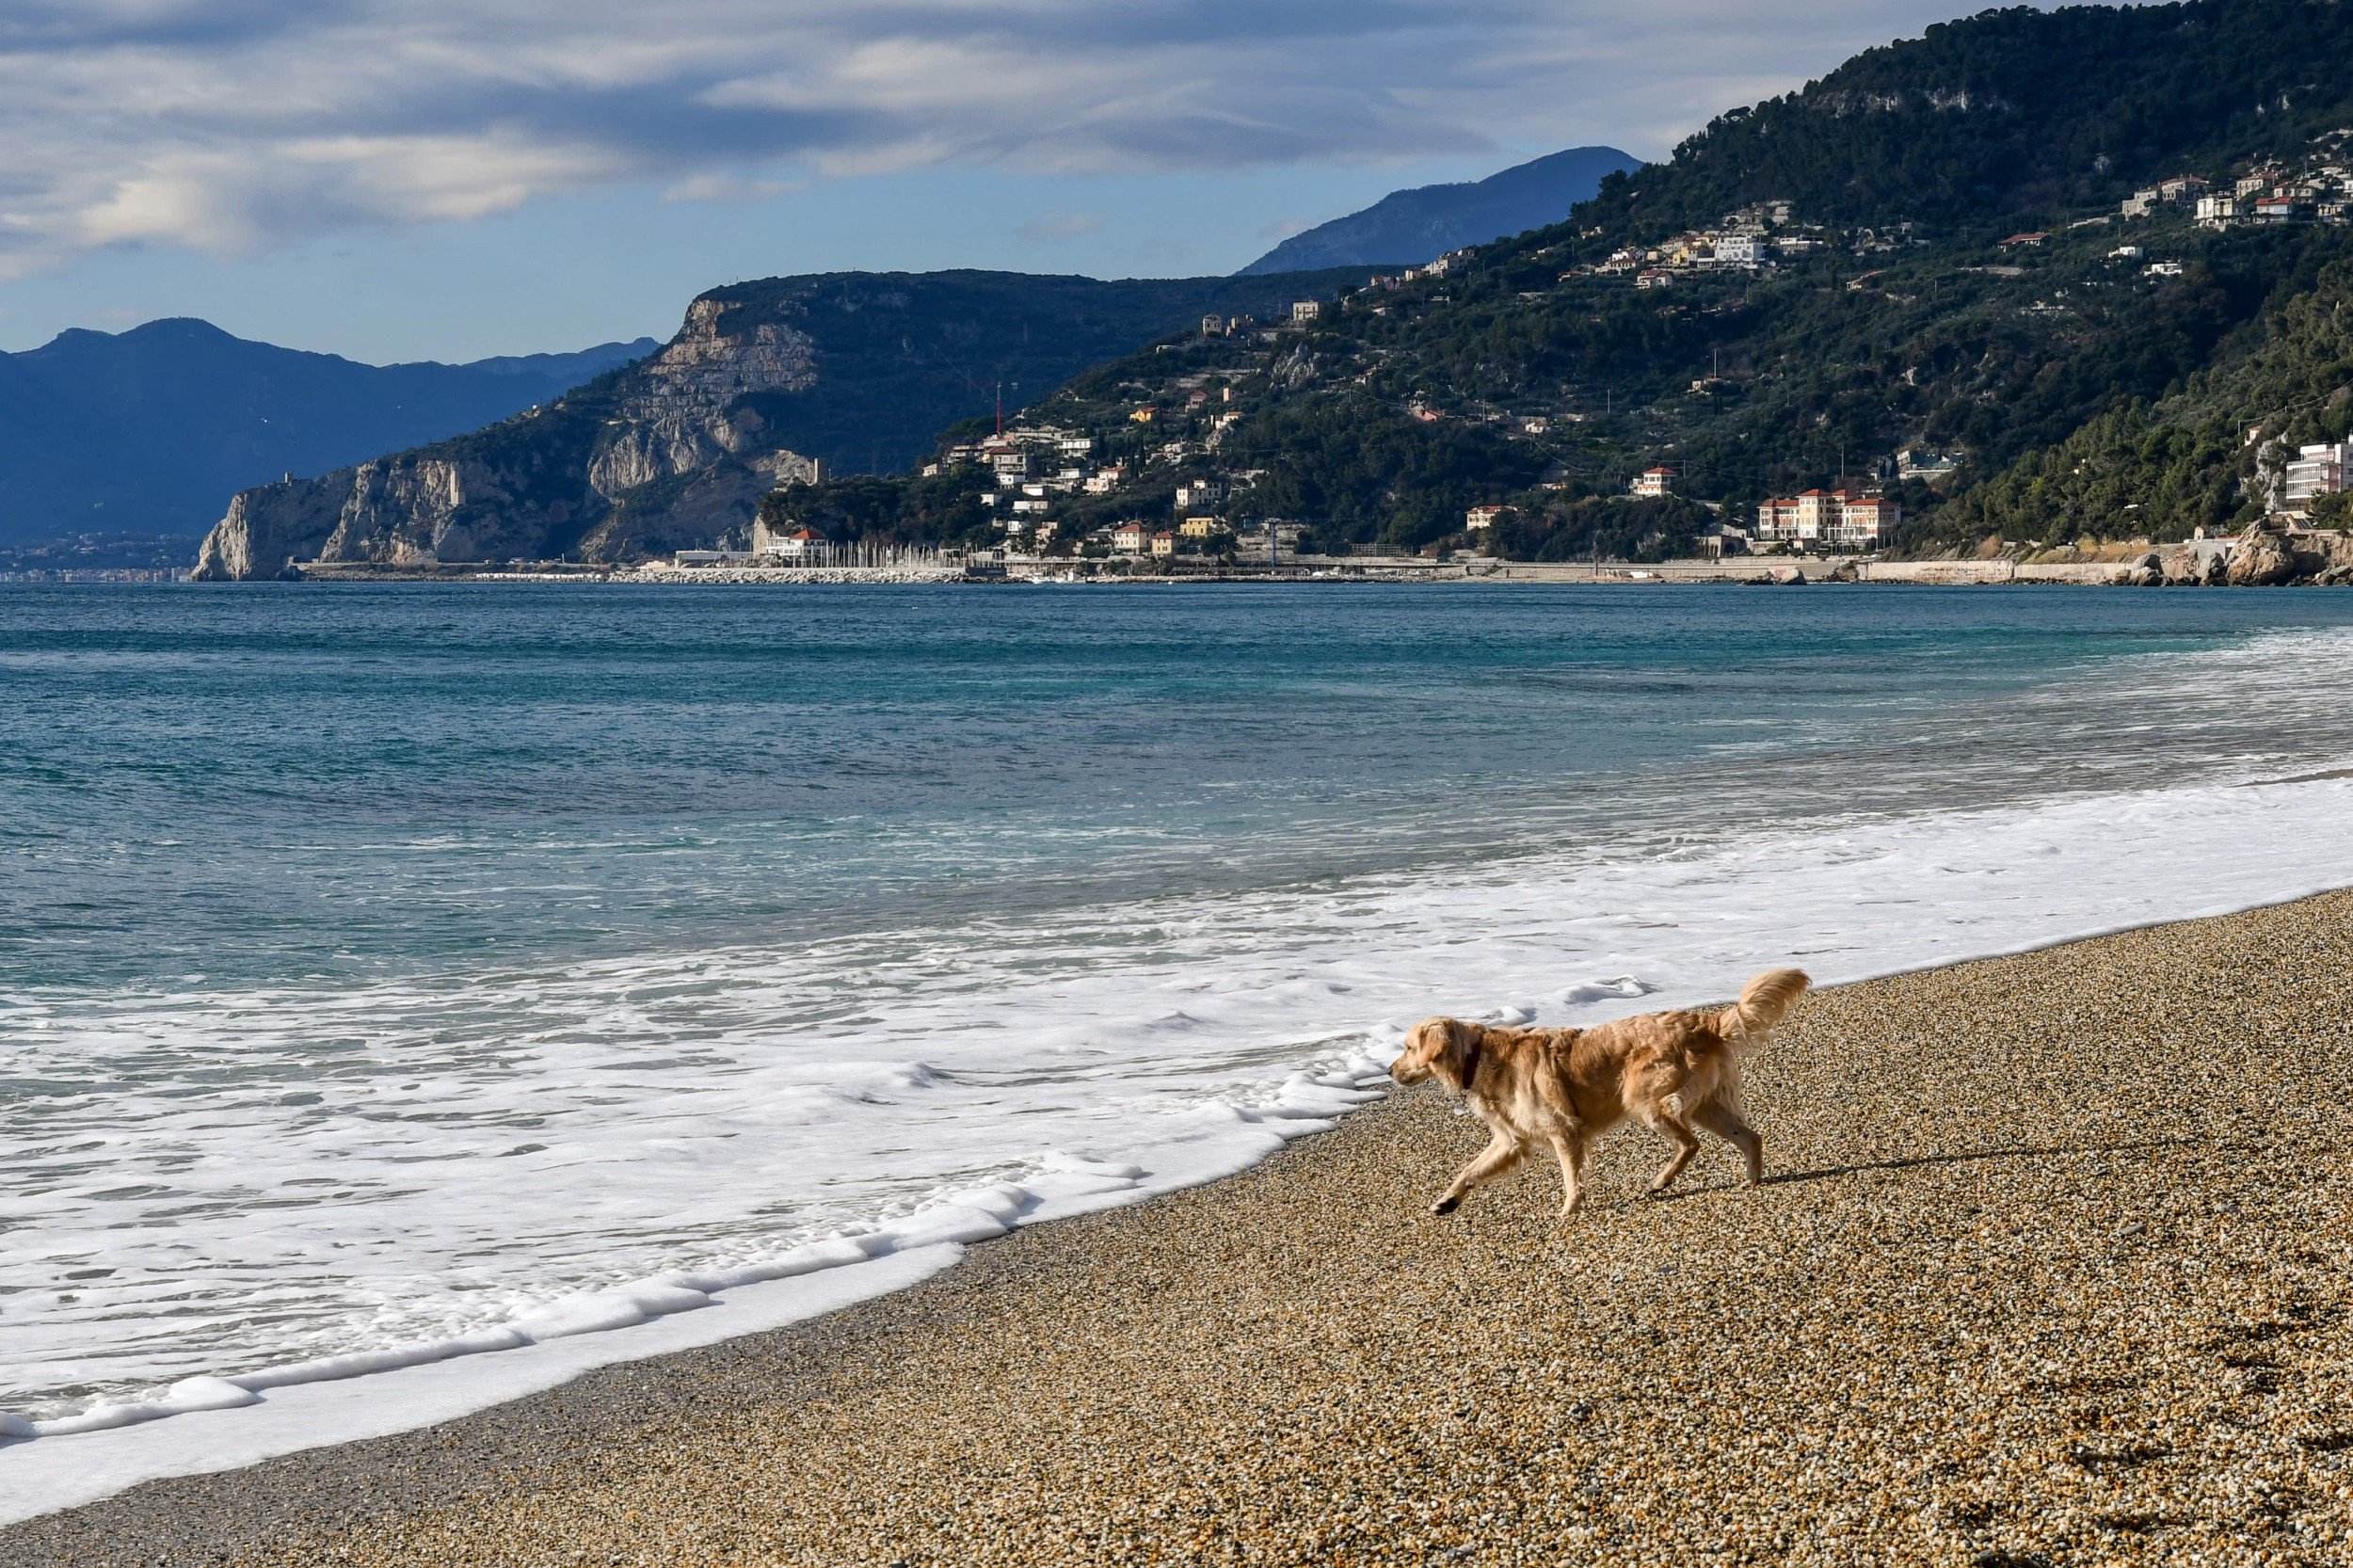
1445	1206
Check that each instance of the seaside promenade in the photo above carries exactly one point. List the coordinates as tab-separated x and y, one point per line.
2052	1269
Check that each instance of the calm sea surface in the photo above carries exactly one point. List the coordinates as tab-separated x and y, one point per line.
380	963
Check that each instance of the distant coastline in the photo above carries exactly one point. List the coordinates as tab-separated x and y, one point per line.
1750	572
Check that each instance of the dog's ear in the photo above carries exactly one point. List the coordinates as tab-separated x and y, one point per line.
1463	1040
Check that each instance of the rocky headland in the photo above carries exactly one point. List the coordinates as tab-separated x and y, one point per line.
662	455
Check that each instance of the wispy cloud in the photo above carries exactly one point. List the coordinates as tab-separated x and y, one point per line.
1048	227
230	125
715	185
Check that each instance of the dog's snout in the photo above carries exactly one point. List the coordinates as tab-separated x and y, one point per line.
1406	1070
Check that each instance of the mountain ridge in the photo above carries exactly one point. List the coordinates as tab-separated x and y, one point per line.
144	430
1407	228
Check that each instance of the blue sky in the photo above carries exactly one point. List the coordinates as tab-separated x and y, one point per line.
448	178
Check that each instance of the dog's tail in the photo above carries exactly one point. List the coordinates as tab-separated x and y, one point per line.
1764	1002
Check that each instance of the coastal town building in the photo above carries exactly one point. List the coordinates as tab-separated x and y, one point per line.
1826	520
1741	250
1918	462
1197	494
1654	482
1306	311
1478	519
2187	188
1131	538
789	542
2316	470
1719	539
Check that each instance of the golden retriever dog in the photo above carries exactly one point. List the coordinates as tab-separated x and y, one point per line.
1670	1071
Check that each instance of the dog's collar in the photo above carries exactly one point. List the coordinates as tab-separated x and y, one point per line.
1470	1056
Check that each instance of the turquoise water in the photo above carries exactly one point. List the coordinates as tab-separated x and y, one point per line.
385	964
310	783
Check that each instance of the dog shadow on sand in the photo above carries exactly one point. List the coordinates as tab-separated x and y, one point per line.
1967	1157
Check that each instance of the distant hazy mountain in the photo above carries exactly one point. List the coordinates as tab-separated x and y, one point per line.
1410	227
150	430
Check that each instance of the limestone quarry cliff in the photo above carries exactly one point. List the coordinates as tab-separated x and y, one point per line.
670	451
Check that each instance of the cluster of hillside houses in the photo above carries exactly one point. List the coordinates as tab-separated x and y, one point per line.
1033	467
1751	240
2317	194
1839	520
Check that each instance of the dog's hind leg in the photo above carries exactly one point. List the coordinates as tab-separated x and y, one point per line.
1724	1121
1499	1155
1686	1145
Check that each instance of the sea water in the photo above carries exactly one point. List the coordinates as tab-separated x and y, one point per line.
518	976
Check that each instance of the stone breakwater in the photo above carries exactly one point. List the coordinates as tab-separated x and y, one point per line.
2056	1266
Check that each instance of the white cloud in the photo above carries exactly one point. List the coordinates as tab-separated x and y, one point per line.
1047	227
715	185
231	125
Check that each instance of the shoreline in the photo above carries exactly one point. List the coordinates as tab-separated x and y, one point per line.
1116	1381
1912	575
1763	571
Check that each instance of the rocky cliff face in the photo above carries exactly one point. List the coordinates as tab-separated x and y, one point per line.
687	410
669	452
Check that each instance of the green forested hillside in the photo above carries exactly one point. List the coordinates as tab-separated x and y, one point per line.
1984	123
2185	460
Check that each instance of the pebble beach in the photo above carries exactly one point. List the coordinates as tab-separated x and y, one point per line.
2051	1267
